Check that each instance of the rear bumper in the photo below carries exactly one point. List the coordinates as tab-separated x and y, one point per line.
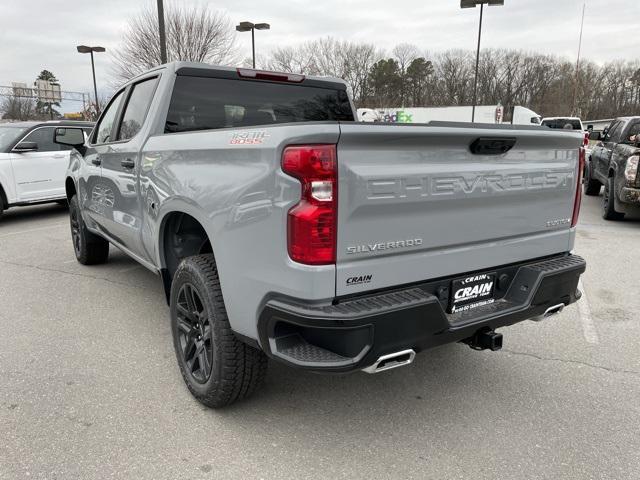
354	332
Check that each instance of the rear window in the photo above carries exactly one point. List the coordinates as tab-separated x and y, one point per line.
563	123
200	103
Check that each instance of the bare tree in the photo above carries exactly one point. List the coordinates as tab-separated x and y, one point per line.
193	34
15	107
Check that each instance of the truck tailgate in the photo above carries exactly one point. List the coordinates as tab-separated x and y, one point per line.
415	203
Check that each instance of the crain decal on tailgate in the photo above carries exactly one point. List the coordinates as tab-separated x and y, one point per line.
248	138
359	280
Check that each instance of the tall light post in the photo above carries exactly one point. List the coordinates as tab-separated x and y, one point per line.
248	26
86	49
473	4
161	32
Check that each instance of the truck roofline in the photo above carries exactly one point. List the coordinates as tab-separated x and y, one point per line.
220	71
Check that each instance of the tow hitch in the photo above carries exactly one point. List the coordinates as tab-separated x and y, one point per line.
485	339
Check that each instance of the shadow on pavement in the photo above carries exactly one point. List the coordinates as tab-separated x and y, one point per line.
24	215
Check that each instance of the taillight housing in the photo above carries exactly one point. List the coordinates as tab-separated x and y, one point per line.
578	198
585	141
312	222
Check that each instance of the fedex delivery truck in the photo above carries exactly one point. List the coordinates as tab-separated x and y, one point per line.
484	114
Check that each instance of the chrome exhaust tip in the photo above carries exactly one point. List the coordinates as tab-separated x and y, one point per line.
392	360
553	310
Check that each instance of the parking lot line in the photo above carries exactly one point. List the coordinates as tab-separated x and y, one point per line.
584	312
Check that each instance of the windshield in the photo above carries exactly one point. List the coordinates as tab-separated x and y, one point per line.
8	136
563	123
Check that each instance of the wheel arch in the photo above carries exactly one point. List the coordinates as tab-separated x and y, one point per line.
3	197
181	235
70	188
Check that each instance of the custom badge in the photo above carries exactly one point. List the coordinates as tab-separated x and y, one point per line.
248	138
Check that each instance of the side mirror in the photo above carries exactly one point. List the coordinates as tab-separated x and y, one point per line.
70	136
25	147
595	136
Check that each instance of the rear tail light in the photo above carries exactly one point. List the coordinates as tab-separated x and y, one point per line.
631	169
585	142
578	198
311	223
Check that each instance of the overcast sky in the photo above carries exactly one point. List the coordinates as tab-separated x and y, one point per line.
38	34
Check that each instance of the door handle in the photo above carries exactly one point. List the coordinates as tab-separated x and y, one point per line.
97	161
128	163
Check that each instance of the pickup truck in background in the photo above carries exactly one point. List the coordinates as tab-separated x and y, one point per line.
614	164
283	229
32	166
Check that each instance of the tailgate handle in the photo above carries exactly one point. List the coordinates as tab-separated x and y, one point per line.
492	145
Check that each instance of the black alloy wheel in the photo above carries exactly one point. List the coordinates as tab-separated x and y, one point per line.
194	332
76	238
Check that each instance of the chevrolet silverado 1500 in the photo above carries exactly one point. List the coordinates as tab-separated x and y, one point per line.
282	228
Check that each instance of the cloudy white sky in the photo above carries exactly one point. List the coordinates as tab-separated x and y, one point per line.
38	34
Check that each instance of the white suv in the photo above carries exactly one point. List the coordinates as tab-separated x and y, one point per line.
32	166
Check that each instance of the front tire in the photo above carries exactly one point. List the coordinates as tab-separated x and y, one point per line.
608	202
1	206
90	249
218	368
591	186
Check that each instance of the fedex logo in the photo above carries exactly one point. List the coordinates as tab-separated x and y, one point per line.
399	117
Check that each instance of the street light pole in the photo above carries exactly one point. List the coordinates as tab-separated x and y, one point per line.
86	49
253	47
475	78
249	26
473	4
95	87
163	38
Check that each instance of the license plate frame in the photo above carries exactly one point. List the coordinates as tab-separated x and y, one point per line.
471	291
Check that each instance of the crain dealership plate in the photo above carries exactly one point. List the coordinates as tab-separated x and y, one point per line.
471	292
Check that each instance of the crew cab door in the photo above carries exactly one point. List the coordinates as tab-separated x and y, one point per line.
605	150
95	196
121	167
40	174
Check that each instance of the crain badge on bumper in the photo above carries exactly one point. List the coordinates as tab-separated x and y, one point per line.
471	292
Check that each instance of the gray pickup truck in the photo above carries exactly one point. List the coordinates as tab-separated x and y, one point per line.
614	163
283	229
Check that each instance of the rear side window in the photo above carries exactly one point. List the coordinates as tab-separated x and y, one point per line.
562	123
200	103
103	133
136	109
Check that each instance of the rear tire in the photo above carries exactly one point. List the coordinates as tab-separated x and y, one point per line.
218	368
1	206
89	248
608	202
591	186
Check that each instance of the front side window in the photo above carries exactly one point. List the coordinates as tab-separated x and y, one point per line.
103	134
614	132
136	108
43	137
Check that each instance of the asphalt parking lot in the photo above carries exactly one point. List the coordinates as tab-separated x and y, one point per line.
89	386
